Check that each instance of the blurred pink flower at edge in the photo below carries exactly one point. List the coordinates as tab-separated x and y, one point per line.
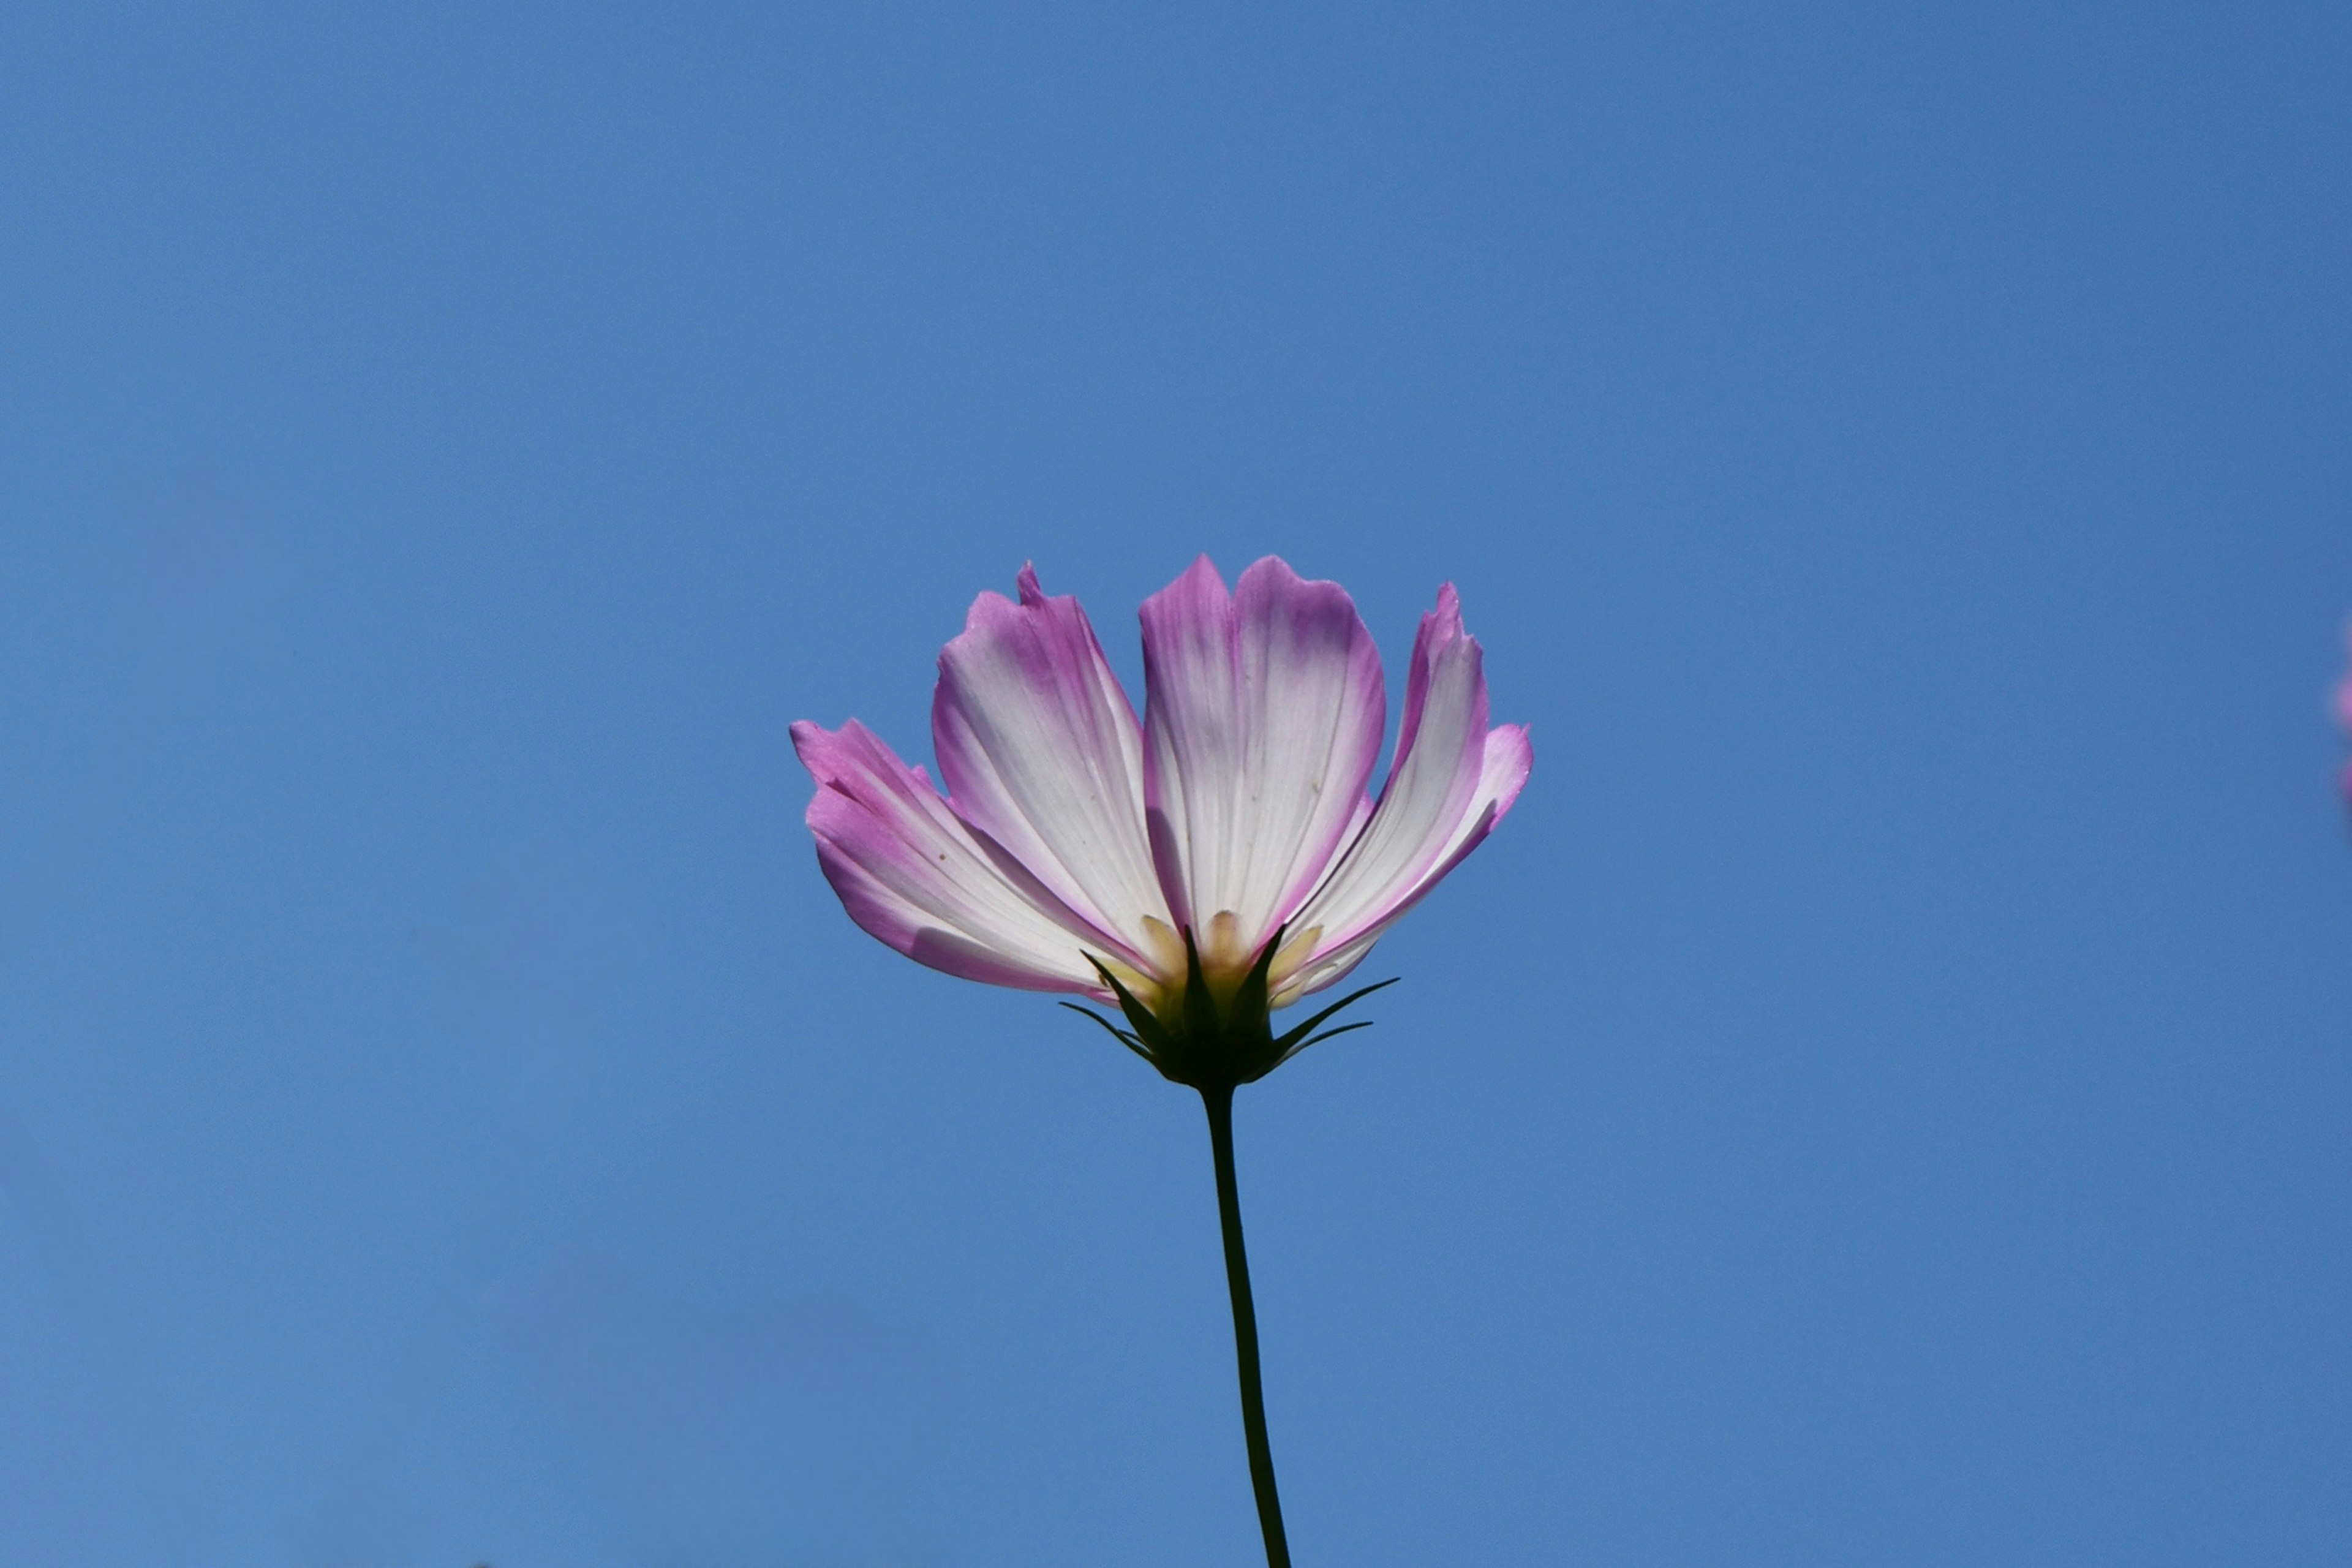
2344	716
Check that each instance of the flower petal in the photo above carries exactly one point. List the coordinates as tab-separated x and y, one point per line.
914	878
1040	750
1451	781
1262	722
1508	757
1429	784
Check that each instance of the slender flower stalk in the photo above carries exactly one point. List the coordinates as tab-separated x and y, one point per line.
1197	869
1220	1102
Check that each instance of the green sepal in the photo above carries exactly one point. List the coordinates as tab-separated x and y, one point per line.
1209	1046
1157	1043
1296	1039
1116	1033
1201	1020
1326	1035
1250	1001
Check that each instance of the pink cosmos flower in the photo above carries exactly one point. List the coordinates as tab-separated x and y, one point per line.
1217	859
2344	718
1228	838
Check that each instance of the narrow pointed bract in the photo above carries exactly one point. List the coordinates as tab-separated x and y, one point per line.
1223	851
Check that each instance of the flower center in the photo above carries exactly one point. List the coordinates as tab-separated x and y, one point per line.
1227	960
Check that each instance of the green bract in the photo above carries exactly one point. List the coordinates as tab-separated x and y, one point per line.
1206	1046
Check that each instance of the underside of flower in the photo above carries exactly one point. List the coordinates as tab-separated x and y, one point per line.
1210	1035
1222	857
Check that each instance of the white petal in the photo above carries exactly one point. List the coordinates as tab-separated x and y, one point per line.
914	877
1040	750
1263	718
1429	787
1453	780
1506	760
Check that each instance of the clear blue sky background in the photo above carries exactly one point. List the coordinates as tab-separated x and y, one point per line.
1884	1098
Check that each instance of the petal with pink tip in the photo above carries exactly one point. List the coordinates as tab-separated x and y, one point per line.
1040	750
914	878
1428	792
1261	719
1451	781
1505	762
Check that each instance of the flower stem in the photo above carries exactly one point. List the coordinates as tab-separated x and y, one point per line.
1219	1101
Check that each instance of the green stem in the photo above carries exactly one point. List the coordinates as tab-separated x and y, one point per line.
1219	1101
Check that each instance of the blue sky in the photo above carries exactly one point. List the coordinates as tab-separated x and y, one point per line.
1882	1098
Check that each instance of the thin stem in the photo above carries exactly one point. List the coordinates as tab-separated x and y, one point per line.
1220	1102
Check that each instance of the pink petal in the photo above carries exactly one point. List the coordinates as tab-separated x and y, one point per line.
1041	752
916	879
1439	746
1451	781
1507	761
1262	722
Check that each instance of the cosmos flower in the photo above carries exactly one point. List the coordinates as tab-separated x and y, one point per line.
2344	718
1220	857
